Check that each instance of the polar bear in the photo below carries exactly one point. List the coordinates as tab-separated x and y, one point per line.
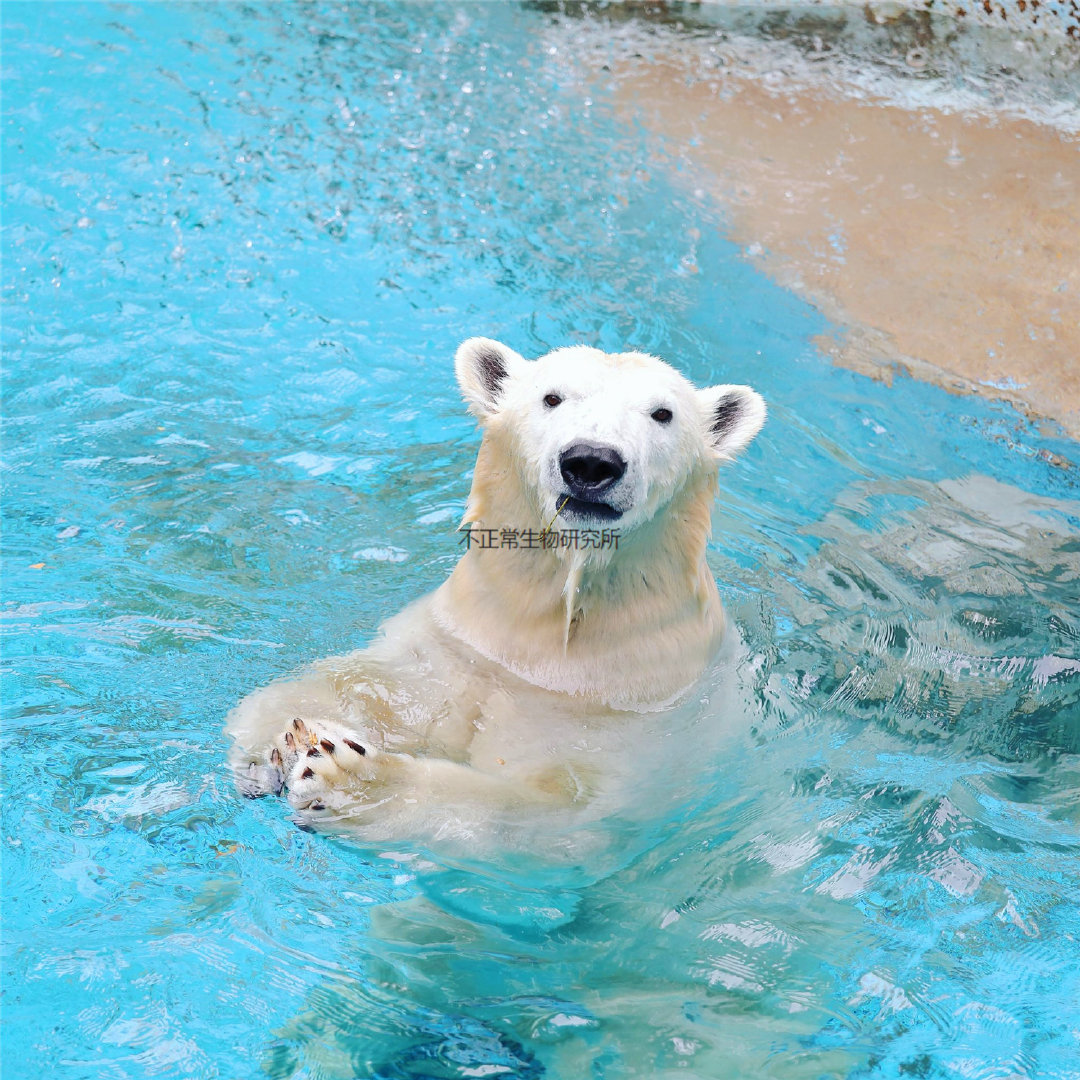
583	600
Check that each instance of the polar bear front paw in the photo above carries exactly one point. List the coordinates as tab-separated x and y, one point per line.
320	765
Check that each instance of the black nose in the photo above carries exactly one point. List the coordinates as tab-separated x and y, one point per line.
590	470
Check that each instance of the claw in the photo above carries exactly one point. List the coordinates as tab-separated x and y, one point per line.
307	774
303	732
327	745
314	752
290	742
275	757
355	746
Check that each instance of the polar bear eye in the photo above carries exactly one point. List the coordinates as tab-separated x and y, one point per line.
662	416
551	400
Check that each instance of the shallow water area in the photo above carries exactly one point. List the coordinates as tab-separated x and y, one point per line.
240	246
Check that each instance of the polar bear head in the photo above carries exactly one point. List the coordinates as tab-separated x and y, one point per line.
601	440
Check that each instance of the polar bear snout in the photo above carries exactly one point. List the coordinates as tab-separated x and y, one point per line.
590	470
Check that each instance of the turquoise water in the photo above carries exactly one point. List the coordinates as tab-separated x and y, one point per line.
241	243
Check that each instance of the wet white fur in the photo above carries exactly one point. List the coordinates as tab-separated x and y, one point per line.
519	681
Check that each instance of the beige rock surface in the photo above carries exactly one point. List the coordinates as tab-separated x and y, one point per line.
945	243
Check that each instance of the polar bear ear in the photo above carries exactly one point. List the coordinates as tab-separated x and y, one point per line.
733	416
482	367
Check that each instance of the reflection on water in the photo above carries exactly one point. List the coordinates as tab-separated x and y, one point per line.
241	244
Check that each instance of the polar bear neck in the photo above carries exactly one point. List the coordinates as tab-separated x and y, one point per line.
630	627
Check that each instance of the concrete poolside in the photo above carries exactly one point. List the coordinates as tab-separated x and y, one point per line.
943	236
